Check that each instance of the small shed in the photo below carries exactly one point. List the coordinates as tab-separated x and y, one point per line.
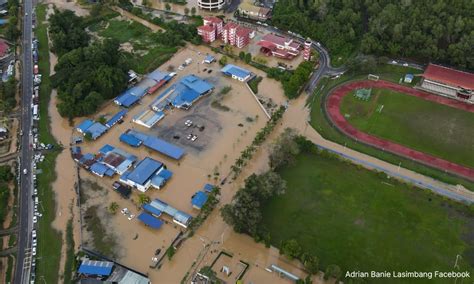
199	199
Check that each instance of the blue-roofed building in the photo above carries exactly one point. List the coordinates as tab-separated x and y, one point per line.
105	149
116	118
96	268
96	130
152	210
87	160
183	93
179	217
158	182
83	126
199	199
409	78
140	177
208	187
126	100
164	147
150	221
209	59
166	174
130	140
99	169
157	75
118	160
236	72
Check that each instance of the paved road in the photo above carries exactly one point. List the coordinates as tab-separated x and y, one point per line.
22	270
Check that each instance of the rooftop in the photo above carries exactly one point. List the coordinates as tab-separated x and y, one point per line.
199	199
231	69
93	267
96	130
449	76
144	170
84	125
116	118
150	221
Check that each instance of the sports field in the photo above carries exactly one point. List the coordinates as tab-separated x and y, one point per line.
426	126
360	220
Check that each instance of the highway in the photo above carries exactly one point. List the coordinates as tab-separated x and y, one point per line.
23	259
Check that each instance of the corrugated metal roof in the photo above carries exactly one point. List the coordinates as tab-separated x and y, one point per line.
177	215
93	267
96	130
116	118
150	221
144	170
231	69
83	126
199	199
130	140
164	147
166	174
106	148
152	210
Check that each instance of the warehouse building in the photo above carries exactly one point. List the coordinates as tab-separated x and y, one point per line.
140	177
236	72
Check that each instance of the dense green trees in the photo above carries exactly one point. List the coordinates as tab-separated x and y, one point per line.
292	81
244	213
6	176
284	150
87	76
7	94
437	31
67	32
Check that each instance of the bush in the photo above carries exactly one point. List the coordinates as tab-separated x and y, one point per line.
291	248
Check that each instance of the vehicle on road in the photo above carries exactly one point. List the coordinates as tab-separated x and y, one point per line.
25	171
35	219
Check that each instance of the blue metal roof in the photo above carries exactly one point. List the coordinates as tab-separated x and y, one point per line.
208	187
157	75
164	147
83	126
152	210
209	58
144	170
150	221
99	169
106	148
76	150
199	199
177	215
157	181
237	71
116	118
166	174
126	100
197	84
96	130
130	140
93	267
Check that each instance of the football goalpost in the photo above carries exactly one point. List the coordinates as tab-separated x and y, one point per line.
373	77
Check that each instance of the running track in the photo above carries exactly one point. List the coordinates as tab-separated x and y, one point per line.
333	106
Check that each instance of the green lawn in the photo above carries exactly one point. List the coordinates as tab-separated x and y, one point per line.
319	121
422	125
360	220
125	31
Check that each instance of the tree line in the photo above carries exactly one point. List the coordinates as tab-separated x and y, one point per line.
441	31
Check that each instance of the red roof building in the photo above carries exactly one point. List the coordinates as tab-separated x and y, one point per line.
236	35
279	46
211	30
3	48
449	82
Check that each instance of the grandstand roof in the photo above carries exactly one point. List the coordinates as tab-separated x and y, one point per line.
93	267
150	221
144	170
199	199
164	147
449	76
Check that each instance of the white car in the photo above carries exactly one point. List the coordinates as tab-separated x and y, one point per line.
35	219
194	138
35	242
131	216
33	234
33	251
124	211
25	171
405	64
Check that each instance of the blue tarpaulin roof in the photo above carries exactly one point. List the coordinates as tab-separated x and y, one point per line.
93	267
114	119
152	210
144	170
106	148
199	199
130	140
164	147
237	71
150	221
83	126
166	174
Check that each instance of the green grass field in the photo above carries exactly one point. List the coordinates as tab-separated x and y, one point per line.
422	125
360	220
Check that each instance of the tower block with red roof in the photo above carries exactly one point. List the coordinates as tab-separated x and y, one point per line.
307	50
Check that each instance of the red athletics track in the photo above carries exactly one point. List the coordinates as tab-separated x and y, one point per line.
333	109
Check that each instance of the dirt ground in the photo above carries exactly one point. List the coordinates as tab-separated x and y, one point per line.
69	5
